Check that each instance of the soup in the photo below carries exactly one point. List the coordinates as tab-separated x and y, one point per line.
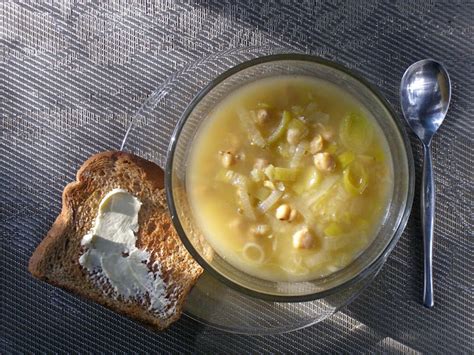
289	178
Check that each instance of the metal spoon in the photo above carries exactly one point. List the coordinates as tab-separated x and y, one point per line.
425	92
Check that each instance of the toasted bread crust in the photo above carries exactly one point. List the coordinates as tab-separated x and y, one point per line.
56	258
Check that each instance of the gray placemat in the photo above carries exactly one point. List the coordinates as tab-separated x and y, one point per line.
72	74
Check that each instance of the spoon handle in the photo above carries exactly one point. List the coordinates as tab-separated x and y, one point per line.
427	218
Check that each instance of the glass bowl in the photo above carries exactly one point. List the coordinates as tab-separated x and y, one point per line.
362	268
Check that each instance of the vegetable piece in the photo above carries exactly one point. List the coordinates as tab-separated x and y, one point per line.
284	149
236	179
280	130
307	180
244	200
298	124
332	148
355	178
325	131
262	193
261	163
264	105
345	158
300	151
283	174
249	125
293	136
257	175
296	130
269	171
260	230
355	132
268	203
324	189
297	110
280	186
333	229
269	184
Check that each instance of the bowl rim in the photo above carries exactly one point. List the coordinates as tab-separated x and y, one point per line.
169	185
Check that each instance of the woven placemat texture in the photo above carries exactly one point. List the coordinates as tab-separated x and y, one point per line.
72	74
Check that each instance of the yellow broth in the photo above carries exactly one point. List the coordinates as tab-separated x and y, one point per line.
289	178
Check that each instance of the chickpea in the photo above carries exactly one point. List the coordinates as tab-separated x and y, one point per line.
262	116
293	136
324	162
316	144
283	212
303	239
227	159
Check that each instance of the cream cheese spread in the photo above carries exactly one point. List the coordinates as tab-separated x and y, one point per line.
111	252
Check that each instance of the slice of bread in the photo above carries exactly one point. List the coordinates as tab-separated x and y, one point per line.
56	259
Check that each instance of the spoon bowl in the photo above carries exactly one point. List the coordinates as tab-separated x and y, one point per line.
425	93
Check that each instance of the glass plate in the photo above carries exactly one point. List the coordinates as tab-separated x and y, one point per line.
211	302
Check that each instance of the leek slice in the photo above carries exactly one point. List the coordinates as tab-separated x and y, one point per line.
307	180
249	125
269	171
345	159
355	178
332	148
232	177
268	203
297	110
300	126
284	174
264	105
356	133
280	130
257	175
281	174
333	229
283	149
244	200
300	151
262	193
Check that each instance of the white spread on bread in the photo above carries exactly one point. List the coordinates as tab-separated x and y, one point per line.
110	251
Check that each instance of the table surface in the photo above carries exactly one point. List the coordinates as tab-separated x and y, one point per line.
73	72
